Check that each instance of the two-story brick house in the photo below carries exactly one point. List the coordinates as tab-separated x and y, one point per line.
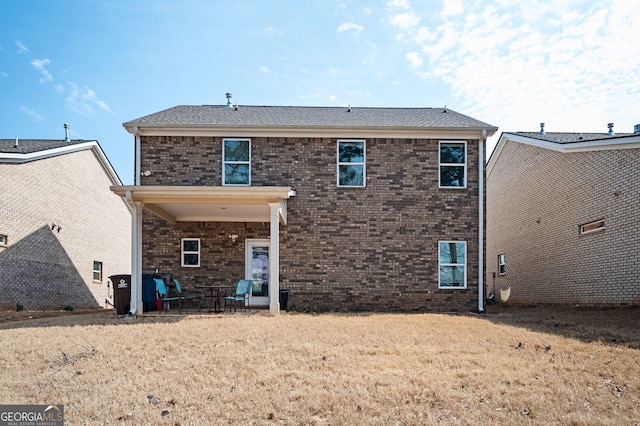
347	208
563	218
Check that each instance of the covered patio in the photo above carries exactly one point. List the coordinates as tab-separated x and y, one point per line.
267	204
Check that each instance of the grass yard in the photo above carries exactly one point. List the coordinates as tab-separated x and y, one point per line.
511	366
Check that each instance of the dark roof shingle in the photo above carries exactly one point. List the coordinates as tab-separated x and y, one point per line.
570	137
29	146
295	116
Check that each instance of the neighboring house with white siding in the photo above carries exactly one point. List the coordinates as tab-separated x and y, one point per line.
563	218
62	231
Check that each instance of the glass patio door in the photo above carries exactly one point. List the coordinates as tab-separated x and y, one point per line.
257	270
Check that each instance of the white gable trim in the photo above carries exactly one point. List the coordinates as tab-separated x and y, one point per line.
623	142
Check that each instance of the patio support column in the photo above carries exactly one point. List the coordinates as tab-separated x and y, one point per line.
274	259
136	305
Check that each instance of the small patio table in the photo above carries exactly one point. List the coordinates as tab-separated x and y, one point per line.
215	291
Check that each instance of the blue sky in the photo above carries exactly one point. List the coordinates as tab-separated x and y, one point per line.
95	64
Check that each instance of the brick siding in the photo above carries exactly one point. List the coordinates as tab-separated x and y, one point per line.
373	248
42	268
537	200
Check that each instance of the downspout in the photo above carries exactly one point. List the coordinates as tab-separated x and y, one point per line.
481	205
136	157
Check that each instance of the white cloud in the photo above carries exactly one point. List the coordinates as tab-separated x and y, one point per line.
31	113
367	11
21	47
82	100
272	32
415	59
40	66
349	26
265	69
452	7
516	64
399	4
405	21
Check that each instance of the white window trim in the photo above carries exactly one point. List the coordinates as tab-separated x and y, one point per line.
453	264
99	280
224	162
363	163
183	252
500	263
466	160
599	229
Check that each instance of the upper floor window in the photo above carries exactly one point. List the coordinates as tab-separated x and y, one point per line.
452	262
4	240
351	163
236	159
452	161
191	252
97	271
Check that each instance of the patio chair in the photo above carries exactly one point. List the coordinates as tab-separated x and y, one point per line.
165	300
243	290
187	296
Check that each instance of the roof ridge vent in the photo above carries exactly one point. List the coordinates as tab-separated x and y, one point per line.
542	129
610	126
349	108
15	144
66	133
636	129
229	104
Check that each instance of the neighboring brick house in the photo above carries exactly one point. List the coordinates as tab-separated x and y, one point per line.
563	218
62	231
347	208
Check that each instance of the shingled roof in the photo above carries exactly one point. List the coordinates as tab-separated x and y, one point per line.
570	137
202	116
30	146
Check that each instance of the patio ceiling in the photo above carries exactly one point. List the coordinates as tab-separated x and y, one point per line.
209	203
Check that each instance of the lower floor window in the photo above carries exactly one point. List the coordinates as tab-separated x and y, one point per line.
502	264
452	262
97	271
191	252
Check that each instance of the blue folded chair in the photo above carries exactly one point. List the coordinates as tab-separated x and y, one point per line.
164	296
243	290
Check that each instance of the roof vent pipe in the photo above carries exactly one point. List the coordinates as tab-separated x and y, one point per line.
636	129
542	128
610	126
15	144
66	133
228	95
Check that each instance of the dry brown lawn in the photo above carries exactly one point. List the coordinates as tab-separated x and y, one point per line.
511	366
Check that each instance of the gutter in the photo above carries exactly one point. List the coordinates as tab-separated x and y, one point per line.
481	206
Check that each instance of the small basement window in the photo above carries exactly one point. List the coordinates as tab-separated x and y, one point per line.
502	264
97	271
590	227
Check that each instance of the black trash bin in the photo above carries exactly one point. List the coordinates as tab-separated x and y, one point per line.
121	293
284	299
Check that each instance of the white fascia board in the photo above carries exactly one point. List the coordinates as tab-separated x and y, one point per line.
624	142
309	132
